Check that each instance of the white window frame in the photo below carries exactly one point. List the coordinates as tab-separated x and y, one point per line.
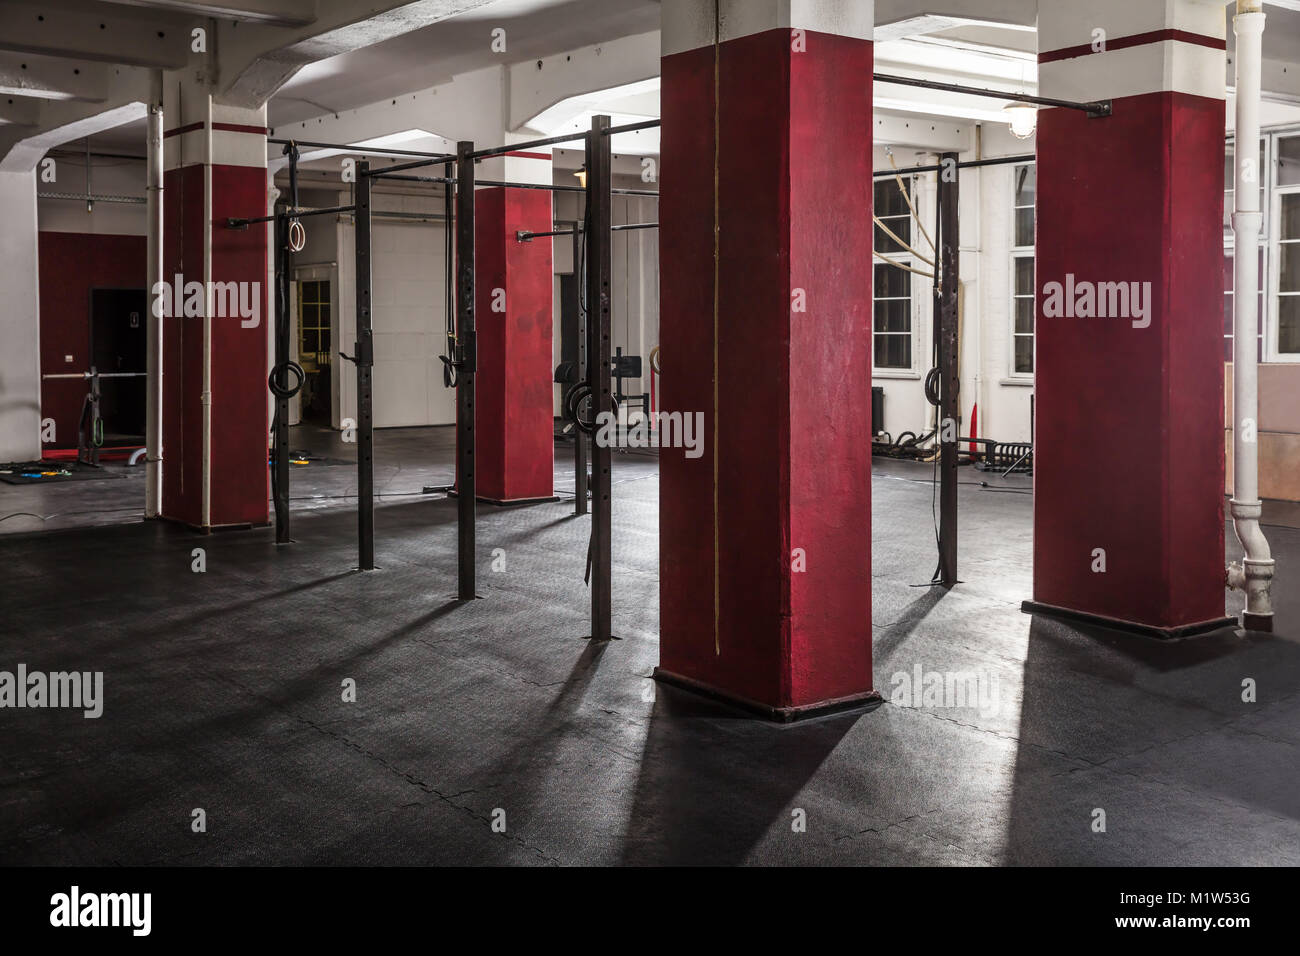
914	314
1271	325
1020	252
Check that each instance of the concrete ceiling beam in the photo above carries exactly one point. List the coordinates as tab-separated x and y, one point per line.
103	34
283	13
60	121
52	78
257	59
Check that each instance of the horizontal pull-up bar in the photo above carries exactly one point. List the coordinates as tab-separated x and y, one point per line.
524	235
1096	108
653	193
234	223
630	128
556	140
971	164
358	150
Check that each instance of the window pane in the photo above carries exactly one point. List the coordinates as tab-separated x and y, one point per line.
1026	185
1291	216
309	341
1025	275
883	241
1024	353
1288	161
1289	267
893	315
1024	227
894	351
1024	316
892	283
889	199
1288	324
324	340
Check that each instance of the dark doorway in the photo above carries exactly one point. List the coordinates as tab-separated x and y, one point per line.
314	325
118	342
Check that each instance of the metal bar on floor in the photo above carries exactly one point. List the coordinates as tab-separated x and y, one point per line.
365	360
949	412
467	367
599	299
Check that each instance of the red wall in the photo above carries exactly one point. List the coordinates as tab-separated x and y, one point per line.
71	264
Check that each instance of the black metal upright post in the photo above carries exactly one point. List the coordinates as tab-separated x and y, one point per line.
599	262
467	367
579	436
280	452
949	381
365	360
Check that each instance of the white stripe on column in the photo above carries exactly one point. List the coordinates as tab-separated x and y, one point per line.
1169	65
1068	23
689	24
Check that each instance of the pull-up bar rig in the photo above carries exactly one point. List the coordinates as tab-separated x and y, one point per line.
463	341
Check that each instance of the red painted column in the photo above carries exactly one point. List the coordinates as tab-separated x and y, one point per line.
765	537
199	248
513	282
1129	454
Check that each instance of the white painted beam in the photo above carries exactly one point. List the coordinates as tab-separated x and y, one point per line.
285	13
901	18
127	36
61	121
602	66
51	78
257	59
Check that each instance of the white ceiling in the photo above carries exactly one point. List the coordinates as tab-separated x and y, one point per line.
976	54
433	54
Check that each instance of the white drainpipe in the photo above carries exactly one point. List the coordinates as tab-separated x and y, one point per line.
153	364
1255	575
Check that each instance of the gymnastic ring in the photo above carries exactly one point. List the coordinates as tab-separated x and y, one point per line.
281	373
654	359
297	236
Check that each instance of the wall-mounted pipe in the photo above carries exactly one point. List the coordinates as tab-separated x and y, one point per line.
1255	575
206	480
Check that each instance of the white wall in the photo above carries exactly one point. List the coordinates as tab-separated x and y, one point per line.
407	302
112	177
635	272
20	371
